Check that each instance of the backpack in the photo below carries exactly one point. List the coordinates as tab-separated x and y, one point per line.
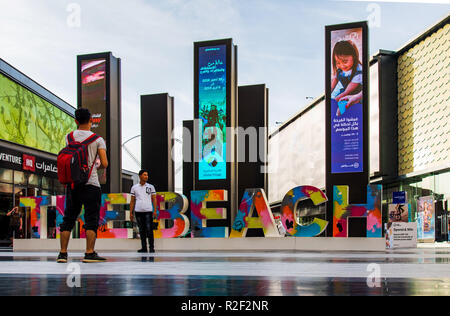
72	161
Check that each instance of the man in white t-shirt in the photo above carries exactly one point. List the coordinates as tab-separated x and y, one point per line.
143	204
88	195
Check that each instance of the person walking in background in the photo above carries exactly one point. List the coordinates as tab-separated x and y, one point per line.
15	224
143	204
86	193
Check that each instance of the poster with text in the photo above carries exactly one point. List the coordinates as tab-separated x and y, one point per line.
212	87
401	235
426	219
347	100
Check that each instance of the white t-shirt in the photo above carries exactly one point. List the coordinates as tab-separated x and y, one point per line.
81	136
143	195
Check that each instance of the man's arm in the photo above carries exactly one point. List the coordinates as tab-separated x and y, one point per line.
132	205
103	158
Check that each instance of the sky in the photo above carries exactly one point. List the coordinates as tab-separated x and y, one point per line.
280	43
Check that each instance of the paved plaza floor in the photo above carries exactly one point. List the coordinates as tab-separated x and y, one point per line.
424	271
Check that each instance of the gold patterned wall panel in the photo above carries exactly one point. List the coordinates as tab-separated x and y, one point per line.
424	104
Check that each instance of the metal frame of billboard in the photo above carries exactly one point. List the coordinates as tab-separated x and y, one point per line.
110	72
356	181
231	108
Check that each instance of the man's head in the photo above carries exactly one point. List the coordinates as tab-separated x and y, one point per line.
83	116
143	175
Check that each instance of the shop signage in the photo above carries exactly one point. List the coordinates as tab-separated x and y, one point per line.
400	197
16	160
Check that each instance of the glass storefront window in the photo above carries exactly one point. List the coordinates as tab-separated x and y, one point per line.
20	178
47	183
6	188
59	188
442	183
34	180
6	204
6	175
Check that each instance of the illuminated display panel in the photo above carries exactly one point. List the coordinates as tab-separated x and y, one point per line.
29	120
93	93
212	96
347	106
93	97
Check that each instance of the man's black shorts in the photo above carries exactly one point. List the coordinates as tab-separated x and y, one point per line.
88	195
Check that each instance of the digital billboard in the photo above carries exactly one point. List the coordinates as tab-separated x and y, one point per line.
29	120
93	93
347	105
212	103
93	97
347	113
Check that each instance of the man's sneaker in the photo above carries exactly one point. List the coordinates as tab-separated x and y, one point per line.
142	250
62	258
151	251
93	257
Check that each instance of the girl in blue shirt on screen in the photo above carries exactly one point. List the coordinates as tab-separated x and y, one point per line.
347	73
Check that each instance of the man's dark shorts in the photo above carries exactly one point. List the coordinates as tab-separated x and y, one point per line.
88	195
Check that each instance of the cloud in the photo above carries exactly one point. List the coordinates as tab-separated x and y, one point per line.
281	43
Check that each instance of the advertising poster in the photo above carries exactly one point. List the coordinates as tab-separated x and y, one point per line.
426	219
401	235
347	101
29	120
399	213
93	93
212	87
93	97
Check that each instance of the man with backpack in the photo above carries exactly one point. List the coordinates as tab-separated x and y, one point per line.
77	169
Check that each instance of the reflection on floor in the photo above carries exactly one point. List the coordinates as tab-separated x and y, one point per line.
400	272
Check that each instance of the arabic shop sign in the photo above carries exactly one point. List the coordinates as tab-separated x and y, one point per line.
16	160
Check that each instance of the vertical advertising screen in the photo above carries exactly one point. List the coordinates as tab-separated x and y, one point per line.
426	219
347	106
212	104
93	93
93	97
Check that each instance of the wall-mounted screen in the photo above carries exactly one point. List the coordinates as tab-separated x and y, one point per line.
29	120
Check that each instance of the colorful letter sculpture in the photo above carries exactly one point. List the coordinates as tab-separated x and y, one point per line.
200	214
38	214
111	214
254	199
172	206
342	211
288	217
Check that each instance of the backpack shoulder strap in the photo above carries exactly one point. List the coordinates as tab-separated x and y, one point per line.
91	139
70	137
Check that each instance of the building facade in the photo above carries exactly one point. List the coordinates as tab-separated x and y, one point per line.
33	123
409	130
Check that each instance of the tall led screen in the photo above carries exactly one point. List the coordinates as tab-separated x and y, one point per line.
29	120
212	103
347	105
93	93
93	97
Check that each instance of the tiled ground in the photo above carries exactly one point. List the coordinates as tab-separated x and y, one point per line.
401	272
